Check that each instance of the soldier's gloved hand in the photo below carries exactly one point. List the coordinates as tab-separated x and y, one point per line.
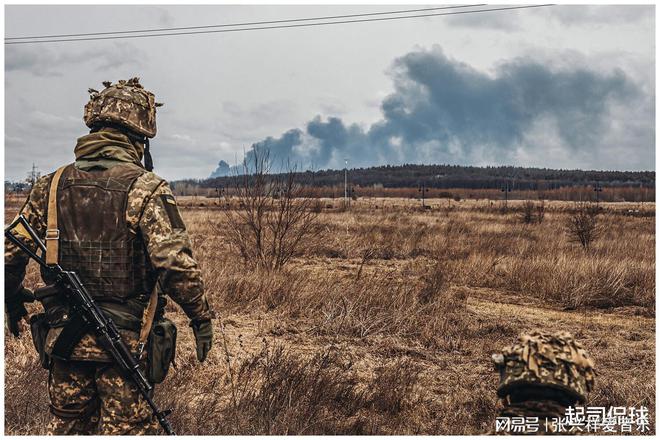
203	331
15	309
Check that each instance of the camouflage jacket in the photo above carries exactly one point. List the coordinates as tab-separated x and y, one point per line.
168	247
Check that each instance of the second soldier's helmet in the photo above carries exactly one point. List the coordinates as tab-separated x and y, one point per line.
549	360
125	103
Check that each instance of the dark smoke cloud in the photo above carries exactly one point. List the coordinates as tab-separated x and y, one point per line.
281	151
445	111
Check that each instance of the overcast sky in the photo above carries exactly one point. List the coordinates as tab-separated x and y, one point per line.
559	87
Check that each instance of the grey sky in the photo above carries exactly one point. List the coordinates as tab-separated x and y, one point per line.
561	87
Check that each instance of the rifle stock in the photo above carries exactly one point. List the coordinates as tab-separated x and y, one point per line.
84	307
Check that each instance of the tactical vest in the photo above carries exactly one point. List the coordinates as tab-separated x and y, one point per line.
94	238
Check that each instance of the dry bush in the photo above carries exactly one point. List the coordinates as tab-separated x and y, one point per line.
531	212
273	221
582	225
527	214
540	212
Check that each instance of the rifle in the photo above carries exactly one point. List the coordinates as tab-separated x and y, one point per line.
85	308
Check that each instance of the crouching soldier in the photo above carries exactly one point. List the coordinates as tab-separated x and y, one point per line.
541	376
116	224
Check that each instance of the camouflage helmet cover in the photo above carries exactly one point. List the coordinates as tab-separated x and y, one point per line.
552	360
126	103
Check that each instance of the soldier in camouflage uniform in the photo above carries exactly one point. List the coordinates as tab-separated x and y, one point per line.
120	230
541	375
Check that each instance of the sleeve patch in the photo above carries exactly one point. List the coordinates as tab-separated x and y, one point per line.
172	212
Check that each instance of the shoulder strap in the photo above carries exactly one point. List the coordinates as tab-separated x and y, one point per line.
52	232
148	318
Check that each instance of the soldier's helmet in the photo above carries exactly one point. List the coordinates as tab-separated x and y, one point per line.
126	103
546	360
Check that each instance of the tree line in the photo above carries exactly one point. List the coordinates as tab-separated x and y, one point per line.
457	176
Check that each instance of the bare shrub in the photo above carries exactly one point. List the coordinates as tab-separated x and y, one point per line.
273	221
532	212
540	212
528	213
582	224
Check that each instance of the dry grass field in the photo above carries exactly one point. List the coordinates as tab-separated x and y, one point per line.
385	322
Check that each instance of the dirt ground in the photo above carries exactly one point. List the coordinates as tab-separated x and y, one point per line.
386	322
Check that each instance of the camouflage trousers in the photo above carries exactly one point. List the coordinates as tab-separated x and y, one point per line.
90	397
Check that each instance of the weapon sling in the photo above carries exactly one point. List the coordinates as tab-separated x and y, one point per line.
52	231
75	329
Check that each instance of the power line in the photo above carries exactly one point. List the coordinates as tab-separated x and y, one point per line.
277	27
280	26
330	17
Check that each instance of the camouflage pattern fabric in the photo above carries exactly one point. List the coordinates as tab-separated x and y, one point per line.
93	398
16	260
87	394
168	247
97	146
126	103
550	360
88	348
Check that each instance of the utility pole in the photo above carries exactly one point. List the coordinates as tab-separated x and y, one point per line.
346	183
423	190
506	190
219	191
598	189
33	175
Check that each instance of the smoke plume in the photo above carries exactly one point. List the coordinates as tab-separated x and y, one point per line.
445	111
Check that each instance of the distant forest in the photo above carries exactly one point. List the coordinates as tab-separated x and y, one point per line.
456	176
441	181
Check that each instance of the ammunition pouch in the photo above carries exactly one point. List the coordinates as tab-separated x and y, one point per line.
161	349
57	314
39	328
